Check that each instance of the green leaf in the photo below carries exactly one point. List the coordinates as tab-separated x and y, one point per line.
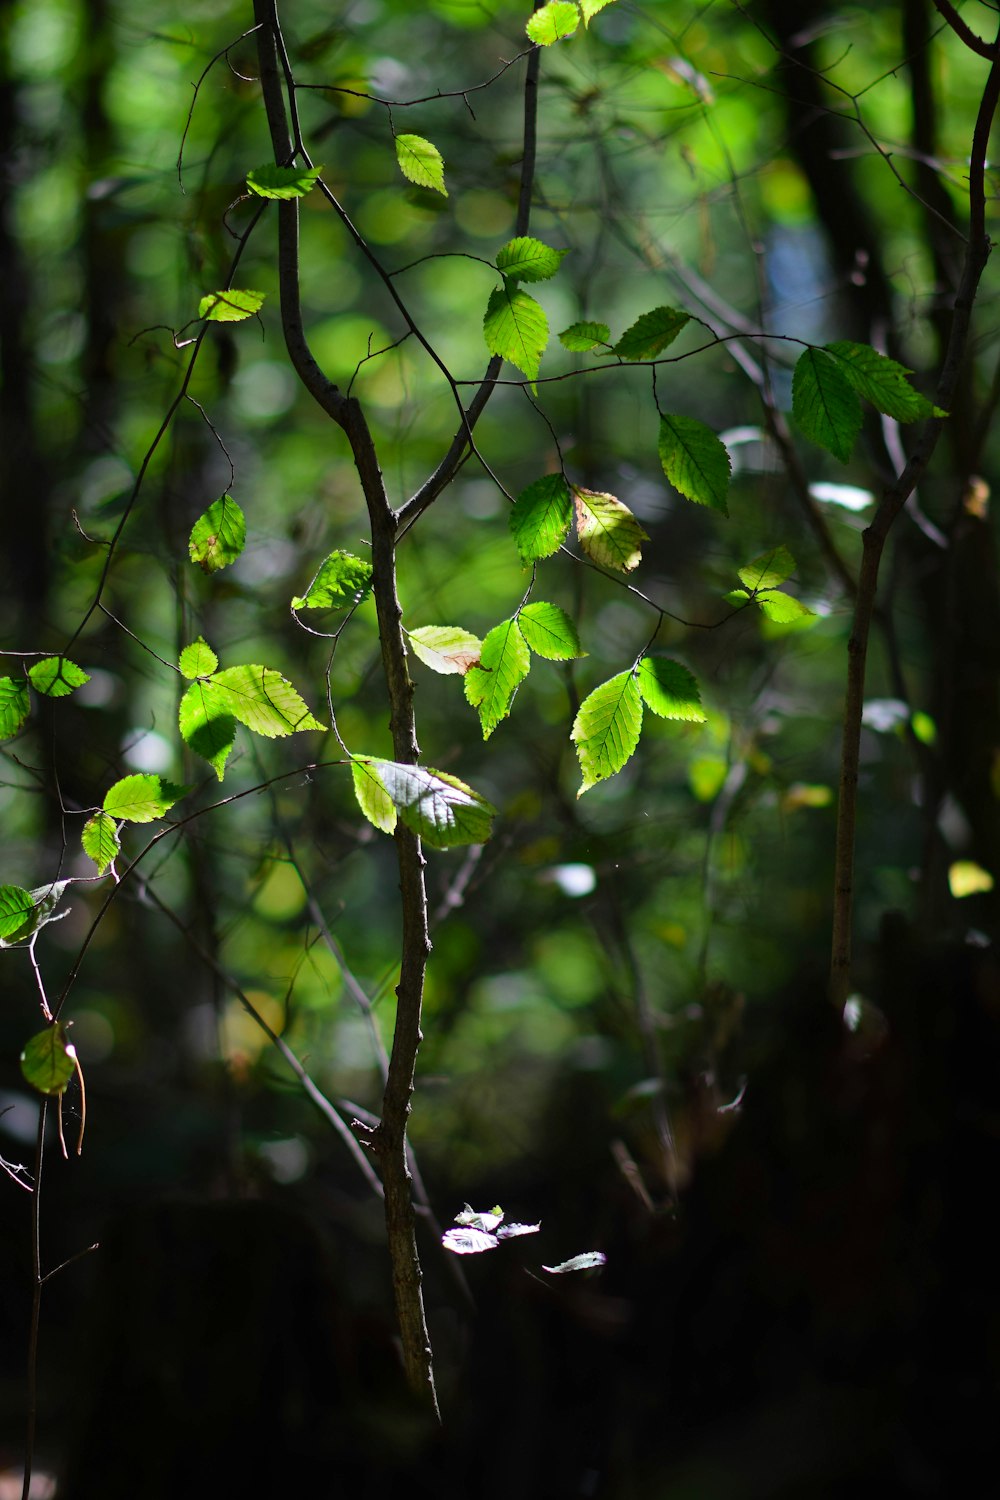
57	676
554	21
669	689
881	381
549	631
768	571
16	914
782	608
582	337
609	533
218	537
695	461
142	798
48	1062
516	328
207	725
198	659
503	664
606	729
591	7
421	162
342	580
541	516
652	333
526	259
439	808
824	404
271	181
373	799
15	705
446	648
101	841
263	700
230	307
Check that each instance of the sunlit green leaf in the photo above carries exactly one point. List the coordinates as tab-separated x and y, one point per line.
15	704
342	580
263	700
446	648
420	162
768	571
541	517
48	1062
57	676
527	259
554	21
549	631
101	841
606	729
218	537
582	337
695	461
198	659
609	533
782	608
230	307
824	404
504	663
373	799
207	725
439	808
591	7
17	909
142	798
516	328
669	689
652	333
271	181
881	381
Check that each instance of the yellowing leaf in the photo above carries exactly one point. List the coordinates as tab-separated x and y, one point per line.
966	878
446	648
609	533
218	537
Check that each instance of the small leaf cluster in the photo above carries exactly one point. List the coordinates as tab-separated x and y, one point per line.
607	727
515	326
607	530
828	385
561	18
760	583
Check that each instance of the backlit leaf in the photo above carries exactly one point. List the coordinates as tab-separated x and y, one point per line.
541	517
669	689
589	1258
549	631
606	729
446	648
824	404
582	337
439	808
101	841
198	659
16	913
609	533
591	7
769	570
504	663
15	704
230	307
57	676
468	1241
207	725
783	608
342	580
652	333
263	700
695	461
218	537
373	799
420	162
881	381
271	181
527	259
142	798
516	328
554	21
48	1062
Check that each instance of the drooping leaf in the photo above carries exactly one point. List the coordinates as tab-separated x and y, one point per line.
421	162
514	1231
504	663
57	676
439	808
591	7
669	689
142	798
541	517
17	909
446	648
606	729
881	381
218	537
589	1258
373	799
695	461
782	608
15	705
554	21
230	307
48	1061
652	333
582	337
516	328
468	1241
549	631
527	259
824	403
342	580
270	181
198	659
263	700
609	533
207	725
101	841
768	571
